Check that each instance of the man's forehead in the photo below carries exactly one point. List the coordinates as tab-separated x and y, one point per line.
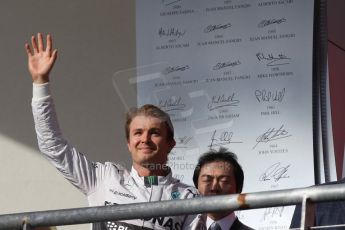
142	121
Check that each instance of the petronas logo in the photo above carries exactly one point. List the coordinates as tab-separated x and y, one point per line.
151	180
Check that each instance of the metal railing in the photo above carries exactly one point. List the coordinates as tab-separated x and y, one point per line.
304	196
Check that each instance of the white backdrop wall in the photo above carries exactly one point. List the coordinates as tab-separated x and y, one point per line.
236	74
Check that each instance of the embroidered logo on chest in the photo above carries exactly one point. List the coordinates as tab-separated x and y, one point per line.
175	195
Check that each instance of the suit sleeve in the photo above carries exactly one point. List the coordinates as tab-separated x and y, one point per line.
296	218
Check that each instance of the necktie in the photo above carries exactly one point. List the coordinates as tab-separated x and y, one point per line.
215	226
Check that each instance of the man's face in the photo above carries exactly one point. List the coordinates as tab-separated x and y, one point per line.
148	142
217	178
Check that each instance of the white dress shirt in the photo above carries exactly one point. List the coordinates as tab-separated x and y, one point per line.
225	223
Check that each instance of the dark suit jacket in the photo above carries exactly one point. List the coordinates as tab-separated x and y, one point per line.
326	213
238	225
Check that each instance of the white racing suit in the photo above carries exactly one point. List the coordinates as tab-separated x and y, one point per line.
103	184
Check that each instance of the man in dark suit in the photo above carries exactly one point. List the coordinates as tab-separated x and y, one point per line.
326	213
218	173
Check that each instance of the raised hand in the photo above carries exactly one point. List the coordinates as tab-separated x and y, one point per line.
40	59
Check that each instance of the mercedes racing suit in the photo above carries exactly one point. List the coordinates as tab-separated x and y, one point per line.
103	184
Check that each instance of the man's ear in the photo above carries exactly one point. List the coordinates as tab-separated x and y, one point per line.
172	144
